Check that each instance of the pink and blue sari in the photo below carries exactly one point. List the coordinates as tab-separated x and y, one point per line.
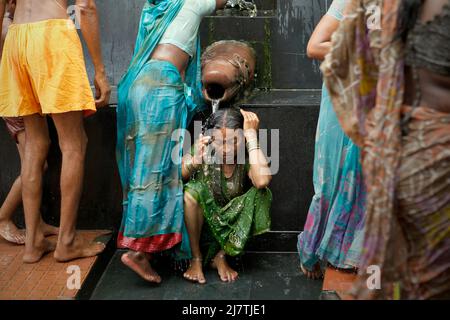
333	231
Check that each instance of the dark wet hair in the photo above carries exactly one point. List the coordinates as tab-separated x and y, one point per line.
225	118
407	17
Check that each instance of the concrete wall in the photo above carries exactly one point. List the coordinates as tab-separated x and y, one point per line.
294	21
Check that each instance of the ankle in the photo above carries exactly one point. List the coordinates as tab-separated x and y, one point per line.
220	256
66	240
196	259
34	240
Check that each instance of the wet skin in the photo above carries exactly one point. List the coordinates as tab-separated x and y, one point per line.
173	54
226	142
139	261
8	229
435	88
72	140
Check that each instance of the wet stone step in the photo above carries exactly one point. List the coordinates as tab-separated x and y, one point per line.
265	276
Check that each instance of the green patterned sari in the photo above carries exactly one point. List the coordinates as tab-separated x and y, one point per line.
233	211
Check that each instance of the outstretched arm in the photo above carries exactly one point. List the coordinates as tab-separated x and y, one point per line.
320	42
91	34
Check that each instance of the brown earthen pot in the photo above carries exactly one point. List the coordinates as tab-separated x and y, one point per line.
228	68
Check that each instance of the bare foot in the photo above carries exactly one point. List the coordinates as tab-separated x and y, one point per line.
49	230
226	273
315	274
79	248
11	233
195	272
139	263
34	253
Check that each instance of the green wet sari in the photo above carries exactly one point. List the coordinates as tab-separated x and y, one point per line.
233	211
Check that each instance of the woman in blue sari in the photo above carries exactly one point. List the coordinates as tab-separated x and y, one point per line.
158	95
333	231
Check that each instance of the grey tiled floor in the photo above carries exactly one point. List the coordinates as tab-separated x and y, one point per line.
268	276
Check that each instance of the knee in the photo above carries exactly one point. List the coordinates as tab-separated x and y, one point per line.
38	147
189	201
75	147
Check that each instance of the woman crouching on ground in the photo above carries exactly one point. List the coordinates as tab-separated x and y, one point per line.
216	192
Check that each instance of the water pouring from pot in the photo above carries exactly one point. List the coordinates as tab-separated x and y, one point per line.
228	69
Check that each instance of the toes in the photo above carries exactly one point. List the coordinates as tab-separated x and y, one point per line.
153	278
98	247
18	240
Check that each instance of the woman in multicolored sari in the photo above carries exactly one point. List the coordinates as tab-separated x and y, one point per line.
159	94
228	191
333	231
391	93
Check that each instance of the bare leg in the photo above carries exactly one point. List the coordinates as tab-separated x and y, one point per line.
226	273
139	262
194	222
73	142
36	148
8	229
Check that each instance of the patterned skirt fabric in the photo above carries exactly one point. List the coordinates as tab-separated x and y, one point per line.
334	227
155	108
424	203
230	226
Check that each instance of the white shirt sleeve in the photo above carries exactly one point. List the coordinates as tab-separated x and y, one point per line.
337	9
206	7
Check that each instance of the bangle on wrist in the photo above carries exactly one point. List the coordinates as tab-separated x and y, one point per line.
252	145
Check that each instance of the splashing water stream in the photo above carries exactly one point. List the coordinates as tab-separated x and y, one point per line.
215	105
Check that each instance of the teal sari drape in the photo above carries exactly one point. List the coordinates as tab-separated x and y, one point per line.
156	17
153	102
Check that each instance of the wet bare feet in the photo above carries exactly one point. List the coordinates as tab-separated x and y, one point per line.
315	274
226	273
195	271
139	263
34	253
11	233
79	248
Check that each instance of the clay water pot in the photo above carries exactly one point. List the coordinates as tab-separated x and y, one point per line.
228	68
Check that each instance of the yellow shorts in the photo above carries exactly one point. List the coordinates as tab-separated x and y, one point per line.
43	70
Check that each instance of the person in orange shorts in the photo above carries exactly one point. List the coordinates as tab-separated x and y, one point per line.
16	128
42	72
